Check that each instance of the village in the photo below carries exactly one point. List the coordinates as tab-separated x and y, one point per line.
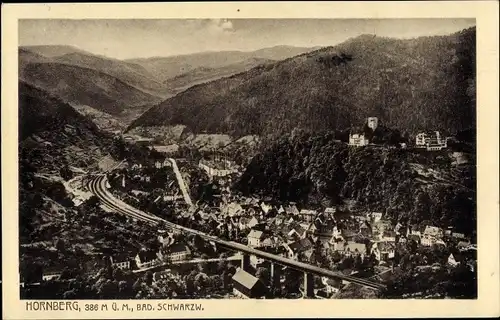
332	237
340	238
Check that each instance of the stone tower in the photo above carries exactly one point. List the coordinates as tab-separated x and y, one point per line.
372	123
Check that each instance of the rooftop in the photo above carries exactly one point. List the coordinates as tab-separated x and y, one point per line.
245	278
256	234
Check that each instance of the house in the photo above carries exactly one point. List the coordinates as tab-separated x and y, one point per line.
179	252
280	219
256	261
332	286
433	231
303	246
232	209
389	236
430	235
255	237
336	235
297	231
121	261
247	286
136	166
312	229
454	260
307	215
427	240
269	242
463	245
265	207
398	228
165	275
457	235
51	274
376	216
245	223
330	211
291	210
431	141
146	258
358	140
384	251
350	249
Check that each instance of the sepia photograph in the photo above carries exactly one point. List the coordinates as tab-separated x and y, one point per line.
247	158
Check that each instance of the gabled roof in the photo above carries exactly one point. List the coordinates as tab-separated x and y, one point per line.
301	245
458	235
389	233
122	257
308	212
354	246
330	210
147	255
245	279
257	234
291	209
385	246
179	247
432	231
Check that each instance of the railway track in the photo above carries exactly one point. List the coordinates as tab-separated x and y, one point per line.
97	186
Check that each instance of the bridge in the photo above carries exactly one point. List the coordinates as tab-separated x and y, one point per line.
97	185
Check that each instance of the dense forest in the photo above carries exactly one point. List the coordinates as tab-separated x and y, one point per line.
426	83
407	185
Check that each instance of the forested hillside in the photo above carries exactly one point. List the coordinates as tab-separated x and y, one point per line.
86	86
315	169
411	85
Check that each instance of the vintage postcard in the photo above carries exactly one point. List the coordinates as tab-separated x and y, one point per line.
297	159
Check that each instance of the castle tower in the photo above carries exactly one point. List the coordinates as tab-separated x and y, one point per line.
372	123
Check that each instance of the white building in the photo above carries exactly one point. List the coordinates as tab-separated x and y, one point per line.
255	237
358	140
431	141
121	261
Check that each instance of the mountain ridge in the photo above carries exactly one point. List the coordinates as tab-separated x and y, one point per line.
410	84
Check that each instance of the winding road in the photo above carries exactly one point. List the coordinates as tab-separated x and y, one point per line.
97	185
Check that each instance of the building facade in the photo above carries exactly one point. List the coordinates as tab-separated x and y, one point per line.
358	140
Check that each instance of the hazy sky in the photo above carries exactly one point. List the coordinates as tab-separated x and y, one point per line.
124	39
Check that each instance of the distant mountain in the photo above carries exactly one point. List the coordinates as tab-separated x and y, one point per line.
203	74
86	86
27	56
50	51
130	73
165	68
410	85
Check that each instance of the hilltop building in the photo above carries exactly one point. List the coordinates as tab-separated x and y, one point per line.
358	140
372	123
432	141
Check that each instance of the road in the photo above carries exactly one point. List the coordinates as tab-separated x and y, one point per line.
181	183
98	187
